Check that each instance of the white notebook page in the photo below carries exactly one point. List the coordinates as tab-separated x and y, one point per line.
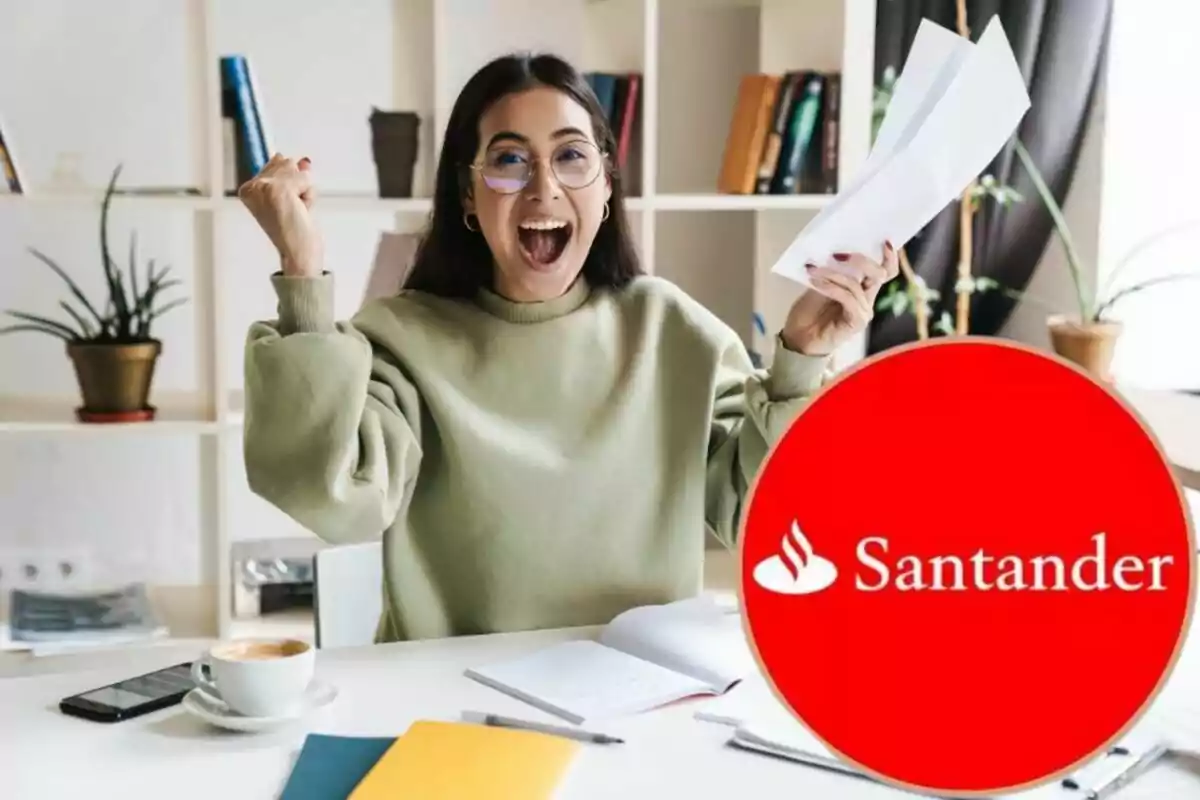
700	637
584	680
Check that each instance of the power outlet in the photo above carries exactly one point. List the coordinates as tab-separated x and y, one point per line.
50	569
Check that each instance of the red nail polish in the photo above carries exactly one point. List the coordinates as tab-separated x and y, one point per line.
889	246
842	256
810	265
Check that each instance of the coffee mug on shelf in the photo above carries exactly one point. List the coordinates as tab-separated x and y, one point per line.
257	677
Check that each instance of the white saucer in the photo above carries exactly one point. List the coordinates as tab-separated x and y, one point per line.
208	708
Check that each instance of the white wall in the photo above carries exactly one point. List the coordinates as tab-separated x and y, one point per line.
1151	174
132	502
112	81
127	90
1137	176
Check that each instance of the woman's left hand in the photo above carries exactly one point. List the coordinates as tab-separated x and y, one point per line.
840	304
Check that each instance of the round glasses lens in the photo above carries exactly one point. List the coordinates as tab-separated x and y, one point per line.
575	165
506	171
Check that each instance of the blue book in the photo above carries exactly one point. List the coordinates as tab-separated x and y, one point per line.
235	77
605	88
329	767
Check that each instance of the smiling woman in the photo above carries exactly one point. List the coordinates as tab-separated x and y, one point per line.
539	432
527	165
538	192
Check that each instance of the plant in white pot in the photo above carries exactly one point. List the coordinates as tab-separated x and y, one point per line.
1089	336
111	344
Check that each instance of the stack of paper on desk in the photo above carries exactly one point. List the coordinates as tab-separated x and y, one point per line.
955	105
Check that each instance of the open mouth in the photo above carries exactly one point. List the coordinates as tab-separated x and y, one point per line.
544	241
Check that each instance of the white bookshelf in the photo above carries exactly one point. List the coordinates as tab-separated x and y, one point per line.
691	54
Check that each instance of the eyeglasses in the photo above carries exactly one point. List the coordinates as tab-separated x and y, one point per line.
508	170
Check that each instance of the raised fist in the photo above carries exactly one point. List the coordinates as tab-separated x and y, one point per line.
280	197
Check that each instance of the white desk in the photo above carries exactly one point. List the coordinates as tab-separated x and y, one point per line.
1175	419
44	754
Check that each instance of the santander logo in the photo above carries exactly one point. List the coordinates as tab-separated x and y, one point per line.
920	616
799	570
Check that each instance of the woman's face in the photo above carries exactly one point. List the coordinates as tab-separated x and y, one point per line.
539	233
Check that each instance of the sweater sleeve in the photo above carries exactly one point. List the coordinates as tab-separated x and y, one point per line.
330	434
752	409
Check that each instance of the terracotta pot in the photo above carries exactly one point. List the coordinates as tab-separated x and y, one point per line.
114	379
1090	345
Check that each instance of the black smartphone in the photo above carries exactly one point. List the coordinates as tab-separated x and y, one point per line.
132	697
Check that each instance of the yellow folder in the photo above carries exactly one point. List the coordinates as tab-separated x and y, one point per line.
436	760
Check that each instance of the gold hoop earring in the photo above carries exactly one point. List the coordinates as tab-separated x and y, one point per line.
606	212
467	221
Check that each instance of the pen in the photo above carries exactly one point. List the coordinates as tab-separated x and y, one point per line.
1095	770
499	721
1128	775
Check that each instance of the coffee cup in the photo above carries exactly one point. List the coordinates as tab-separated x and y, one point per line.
257	677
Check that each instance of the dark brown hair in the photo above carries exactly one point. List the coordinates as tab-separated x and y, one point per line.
453	261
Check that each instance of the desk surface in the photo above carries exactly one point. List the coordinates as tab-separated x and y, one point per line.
382	689
1175	419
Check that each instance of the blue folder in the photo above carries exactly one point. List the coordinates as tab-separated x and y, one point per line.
329	767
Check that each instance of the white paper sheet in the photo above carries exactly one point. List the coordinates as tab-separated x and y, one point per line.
955	106
934	58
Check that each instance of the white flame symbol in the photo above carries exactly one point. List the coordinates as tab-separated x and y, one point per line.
798	561
802	572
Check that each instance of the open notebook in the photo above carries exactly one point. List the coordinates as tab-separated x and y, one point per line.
646	657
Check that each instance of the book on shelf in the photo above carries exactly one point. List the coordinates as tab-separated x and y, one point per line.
644	658
245	139
619	95
783	135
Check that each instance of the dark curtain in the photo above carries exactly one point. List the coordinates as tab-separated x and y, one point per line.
1060	46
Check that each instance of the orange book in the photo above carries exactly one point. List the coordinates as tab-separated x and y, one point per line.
748	133
466	761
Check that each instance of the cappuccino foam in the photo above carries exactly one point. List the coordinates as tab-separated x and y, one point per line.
261	651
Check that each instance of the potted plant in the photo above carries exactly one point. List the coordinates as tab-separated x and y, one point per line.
110	344
1088	337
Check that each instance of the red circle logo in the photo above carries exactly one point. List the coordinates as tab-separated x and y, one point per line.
966	567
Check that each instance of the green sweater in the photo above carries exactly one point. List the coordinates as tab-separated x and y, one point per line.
527	465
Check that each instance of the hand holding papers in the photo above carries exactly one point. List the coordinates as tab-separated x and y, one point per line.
955	105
